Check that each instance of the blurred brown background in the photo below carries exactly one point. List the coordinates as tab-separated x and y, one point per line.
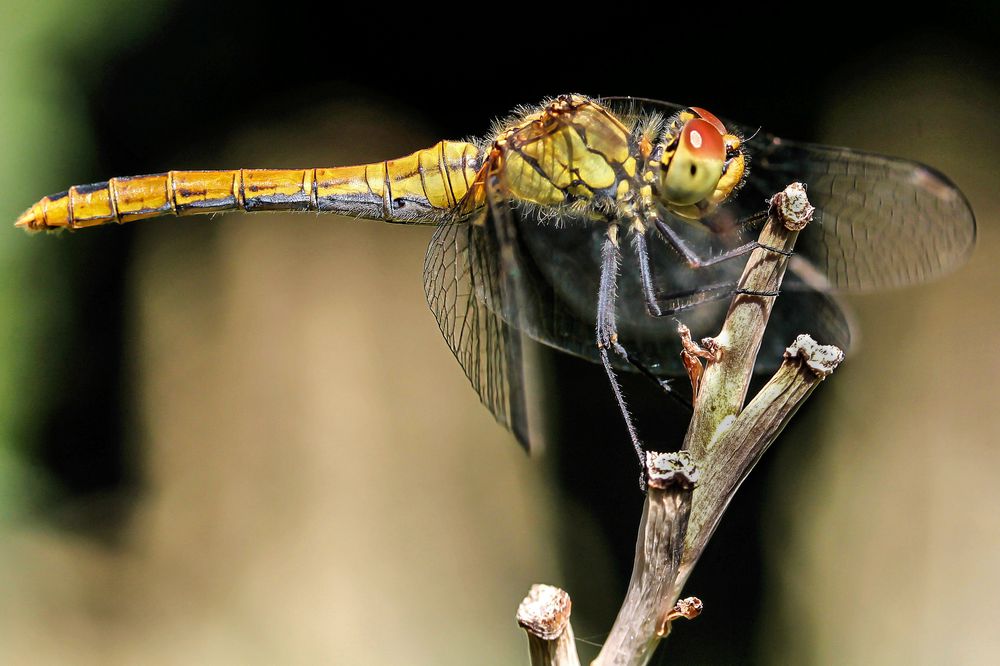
243	440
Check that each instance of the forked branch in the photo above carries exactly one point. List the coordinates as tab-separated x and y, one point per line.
723	443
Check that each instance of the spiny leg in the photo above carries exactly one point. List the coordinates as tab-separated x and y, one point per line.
694	260
607	331
647	286
660	305
641	250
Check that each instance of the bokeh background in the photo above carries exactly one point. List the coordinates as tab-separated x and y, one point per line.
241	440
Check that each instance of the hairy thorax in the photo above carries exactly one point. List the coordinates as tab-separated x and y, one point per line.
573	156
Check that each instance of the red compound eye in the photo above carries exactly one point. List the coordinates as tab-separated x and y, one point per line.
703	140
693	171
710	118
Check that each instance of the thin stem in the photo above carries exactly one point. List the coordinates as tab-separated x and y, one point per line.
725	381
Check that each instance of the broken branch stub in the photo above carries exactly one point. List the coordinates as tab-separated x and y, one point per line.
544	616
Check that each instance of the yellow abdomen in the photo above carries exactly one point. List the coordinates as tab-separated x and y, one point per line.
422	187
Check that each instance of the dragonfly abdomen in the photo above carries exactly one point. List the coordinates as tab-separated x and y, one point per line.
420	187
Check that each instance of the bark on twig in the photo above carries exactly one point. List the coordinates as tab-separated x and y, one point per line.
648	608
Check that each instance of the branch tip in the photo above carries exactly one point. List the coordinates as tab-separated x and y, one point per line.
792	207
821	359
544	612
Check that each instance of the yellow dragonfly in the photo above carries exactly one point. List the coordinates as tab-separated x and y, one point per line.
534	221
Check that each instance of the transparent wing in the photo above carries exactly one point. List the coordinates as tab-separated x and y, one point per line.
472	287
881	221
548	291
561	266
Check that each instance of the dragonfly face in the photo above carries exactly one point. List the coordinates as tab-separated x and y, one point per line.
702	164
531	223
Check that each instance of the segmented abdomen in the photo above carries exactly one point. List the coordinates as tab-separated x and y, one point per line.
422	187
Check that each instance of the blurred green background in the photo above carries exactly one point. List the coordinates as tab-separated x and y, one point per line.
243	441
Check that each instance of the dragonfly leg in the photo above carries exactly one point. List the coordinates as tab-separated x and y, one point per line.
695	261
664	384
607	330
645	271
660	305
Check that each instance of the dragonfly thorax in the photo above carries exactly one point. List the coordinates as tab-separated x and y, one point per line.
570	151
573	157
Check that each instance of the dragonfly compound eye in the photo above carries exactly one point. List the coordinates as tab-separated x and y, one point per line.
695	168
709	117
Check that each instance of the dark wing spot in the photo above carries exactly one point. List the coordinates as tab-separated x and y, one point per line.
694	169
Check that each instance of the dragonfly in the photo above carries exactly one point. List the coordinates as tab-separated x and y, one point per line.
582	223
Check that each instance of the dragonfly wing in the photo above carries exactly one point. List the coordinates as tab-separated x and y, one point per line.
512	273
462	282
472	286
880	221
560	268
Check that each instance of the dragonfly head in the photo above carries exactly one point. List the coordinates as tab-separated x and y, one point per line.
702	164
